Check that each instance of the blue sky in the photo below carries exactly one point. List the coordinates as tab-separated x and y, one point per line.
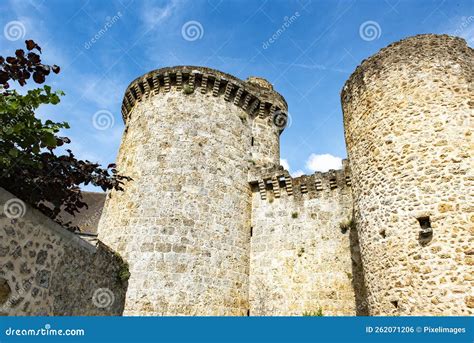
103	45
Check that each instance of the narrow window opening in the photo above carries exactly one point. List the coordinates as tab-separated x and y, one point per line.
426	232
251	231
248	313
252	141
425	222
394	303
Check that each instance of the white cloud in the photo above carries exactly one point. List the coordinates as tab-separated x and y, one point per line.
154	15
323	162
284	163
91	88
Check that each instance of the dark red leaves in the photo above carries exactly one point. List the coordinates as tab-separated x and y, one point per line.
30	45
3	77
47	181
38	77
34	58
20	67
20	53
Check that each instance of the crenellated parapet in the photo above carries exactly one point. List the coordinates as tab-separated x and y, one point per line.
274	181
408	128
300	256
255	96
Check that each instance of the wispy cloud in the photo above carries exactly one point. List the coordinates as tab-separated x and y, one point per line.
284	163
91	88
323	162
463	27
314	66
153	15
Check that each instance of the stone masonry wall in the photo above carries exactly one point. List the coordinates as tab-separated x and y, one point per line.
47	270
408	125
183	222
301	260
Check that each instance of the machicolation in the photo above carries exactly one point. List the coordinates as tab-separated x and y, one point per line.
211	224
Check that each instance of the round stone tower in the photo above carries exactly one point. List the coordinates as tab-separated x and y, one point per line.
407	118
192	134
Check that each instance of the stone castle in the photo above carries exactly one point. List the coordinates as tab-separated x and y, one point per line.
213	225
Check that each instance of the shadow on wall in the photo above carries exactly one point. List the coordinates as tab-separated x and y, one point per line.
358	274
47	270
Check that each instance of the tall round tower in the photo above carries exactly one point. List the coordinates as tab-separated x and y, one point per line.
183	223
407	118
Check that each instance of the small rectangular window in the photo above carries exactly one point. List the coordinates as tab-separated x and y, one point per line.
425	222
426	232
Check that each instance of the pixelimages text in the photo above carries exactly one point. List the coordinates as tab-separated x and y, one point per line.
441	329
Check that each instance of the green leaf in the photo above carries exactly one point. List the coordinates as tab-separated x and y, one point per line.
8	130
49	140
18	127
13	152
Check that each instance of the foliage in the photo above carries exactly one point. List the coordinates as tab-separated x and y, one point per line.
187	89
20	67
124	272
347	224
317	313
29	167
294	215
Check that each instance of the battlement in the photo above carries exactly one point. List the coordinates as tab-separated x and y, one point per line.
254	96
411	50
276	180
